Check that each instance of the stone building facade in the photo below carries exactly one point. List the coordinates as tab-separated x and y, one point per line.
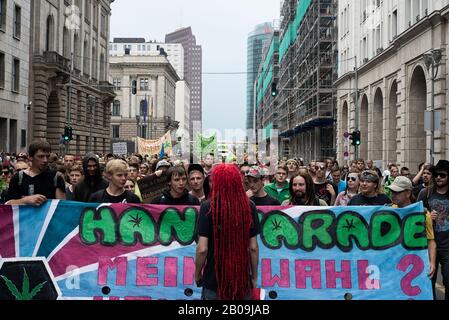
156	84
62	31
14	74
383	48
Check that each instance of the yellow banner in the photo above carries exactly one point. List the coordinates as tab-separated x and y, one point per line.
152	147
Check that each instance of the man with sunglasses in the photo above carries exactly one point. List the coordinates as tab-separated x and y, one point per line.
324	189
369	191
436	200
5	178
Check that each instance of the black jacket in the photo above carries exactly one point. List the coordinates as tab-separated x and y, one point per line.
186	200
91	184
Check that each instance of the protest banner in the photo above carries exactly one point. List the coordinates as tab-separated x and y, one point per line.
152	147
70	250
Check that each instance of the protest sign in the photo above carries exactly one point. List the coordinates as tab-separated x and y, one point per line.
152	186
120	148
123	251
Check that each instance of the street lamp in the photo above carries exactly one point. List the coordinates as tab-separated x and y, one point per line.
432	60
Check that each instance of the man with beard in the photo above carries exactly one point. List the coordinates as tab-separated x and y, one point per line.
436	200
38	183
93	180
302	191
177	195
255	182
324	189
423	179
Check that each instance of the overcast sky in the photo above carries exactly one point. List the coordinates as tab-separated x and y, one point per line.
221	27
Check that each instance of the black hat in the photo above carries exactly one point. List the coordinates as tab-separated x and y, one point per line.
442	165
195	167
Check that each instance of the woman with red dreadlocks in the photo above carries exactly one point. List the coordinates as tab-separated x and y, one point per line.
227	248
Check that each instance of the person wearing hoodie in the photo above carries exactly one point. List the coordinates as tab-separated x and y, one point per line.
93	180
178	193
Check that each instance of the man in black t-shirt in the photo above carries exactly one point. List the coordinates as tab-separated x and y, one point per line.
369	195
178	193
256	185
117	174
37	184
324	189
436	200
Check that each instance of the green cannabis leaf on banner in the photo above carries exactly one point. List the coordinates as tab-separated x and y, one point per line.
25	294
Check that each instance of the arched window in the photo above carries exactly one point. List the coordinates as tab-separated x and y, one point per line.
77	52
86	57
102	68
50	33
94	63
66	43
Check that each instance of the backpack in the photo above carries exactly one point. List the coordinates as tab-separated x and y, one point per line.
55	179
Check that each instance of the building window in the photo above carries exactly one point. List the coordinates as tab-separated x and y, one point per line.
144	84
86	57
66	43
117	83
50	35
95	18
115	132
116	108
2	70
103	24
23	139
15	81
17	21
87	10
2	15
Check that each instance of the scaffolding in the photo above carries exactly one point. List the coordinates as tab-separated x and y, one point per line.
308	69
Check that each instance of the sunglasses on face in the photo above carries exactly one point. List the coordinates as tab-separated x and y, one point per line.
441	175
319	167
5	173
353	179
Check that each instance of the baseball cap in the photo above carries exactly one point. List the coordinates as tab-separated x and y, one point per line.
163	163
401	184
195	167
255	172
22	155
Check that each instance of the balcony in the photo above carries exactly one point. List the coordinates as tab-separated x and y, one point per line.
107	88
55	60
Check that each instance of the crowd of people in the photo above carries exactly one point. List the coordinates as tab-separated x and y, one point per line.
34	177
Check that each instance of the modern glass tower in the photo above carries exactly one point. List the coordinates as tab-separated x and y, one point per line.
257	40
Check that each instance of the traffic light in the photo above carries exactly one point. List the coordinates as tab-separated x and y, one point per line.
134	87
68	134
274	90
355	137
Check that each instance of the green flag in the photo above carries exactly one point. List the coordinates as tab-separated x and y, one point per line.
205	145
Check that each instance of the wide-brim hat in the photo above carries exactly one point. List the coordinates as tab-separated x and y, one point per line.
442	165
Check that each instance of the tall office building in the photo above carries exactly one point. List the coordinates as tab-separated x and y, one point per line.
14	74
192	74
257	40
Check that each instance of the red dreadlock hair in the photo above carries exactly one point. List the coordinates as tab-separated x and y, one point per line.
231	223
